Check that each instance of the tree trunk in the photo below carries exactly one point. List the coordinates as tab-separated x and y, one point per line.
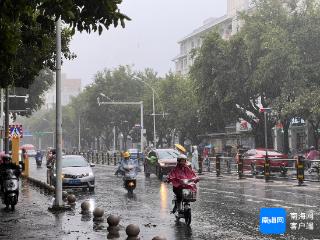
259	133
286	125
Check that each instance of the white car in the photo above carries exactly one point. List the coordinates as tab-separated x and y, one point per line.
76	173
31	152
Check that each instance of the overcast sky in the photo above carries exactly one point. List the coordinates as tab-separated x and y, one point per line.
149	40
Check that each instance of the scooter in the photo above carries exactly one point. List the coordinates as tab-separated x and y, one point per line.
10	188
38	161
187	196
314	168
129	178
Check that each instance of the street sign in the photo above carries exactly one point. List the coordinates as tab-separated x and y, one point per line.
15	131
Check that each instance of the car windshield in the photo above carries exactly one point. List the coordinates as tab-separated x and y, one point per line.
163	154
74	161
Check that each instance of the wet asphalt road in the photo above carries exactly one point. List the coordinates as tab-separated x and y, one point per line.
226	208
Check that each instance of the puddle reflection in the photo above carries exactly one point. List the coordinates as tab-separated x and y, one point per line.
163	198
182	231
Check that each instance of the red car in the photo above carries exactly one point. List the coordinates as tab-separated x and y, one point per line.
257	157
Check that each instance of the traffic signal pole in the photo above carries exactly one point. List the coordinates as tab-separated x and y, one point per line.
128	103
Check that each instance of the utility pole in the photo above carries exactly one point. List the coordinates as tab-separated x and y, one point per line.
79	135
6	123
58	193
1	119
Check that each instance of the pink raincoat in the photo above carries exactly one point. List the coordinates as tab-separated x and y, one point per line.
313	155
182	172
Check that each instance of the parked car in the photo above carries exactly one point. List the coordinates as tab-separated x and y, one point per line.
76	173
257	157
166	160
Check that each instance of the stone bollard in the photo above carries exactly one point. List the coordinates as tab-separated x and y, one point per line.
52	189
71	199
98	214
159	238
64	196
113	229
133	231
218	165
85	207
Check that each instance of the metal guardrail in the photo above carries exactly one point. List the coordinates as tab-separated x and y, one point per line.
290	168
102	157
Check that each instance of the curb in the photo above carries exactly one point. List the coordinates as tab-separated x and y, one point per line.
40	184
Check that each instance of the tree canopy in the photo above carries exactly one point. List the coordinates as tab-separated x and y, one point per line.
263	65
27	33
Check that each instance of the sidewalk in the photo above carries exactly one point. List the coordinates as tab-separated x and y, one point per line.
32	220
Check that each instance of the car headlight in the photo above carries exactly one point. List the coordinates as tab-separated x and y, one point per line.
162	164
87	174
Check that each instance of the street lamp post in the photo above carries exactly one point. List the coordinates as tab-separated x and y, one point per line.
153	109
79	135
58	193
154	120
128	103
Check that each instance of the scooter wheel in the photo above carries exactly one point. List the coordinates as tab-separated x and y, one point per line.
12	207
187	217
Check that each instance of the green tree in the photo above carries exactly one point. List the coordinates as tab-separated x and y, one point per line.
27	33
250	69
180	101
36	93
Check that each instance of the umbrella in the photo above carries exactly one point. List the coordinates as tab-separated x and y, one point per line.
180	147
27	146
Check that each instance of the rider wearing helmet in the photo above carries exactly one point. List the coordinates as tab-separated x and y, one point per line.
7	164
179	172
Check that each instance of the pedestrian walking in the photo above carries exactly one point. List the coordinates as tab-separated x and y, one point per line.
313	154
195	158
206	159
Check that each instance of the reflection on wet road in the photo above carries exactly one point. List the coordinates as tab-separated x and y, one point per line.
226	208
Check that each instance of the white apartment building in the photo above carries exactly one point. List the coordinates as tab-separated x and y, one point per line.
69	88
226	25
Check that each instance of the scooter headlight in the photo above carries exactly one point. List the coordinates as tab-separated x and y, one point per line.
131	184
185	181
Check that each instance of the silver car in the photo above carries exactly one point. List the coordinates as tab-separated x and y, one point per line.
76	173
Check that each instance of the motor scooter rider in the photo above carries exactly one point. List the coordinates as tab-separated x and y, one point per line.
127	161
51	157
7	164
38	155
179	172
